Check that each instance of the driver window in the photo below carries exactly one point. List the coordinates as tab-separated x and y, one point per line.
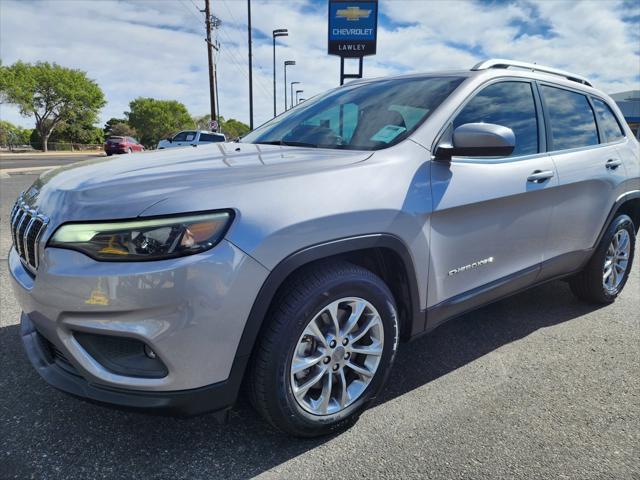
509	104
180	137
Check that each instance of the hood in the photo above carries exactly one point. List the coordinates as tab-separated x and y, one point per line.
126	186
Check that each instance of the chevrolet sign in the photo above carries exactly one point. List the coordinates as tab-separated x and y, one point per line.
353	27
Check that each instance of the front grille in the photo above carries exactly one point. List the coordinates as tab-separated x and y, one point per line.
27	227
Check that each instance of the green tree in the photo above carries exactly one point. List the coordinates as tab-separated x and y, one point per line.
233	128
157	119
70	133
110	123
52	94
123	130
11	134
202	123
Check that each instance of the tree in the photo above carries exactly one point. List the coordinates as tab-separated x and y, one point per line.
70	133
157	119
202	123
232	128
52	94
110	123
123	130
11	134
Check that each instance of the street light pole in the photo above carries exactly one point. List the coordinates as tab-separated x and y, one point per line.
297	93
292	84
279	32
250	67
286	64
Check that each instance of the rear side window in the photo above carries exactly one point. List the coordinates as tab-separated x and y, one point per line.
608	124
571	117
207	137
509	104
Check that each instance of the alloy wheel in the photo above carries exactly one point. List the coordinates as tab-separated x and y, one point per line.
616	261
337	356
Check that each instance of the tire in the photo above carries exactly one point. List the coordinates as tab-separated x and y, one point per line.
129	151
304	299
589	284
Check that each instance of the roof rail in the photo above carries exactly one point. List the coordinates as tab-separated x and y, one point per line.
501	63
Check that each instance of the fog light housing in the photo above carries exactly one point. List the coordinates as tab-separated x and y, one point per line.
149	353
125	356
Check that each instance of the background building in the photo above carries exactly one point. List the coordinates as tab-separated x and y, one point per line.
629	103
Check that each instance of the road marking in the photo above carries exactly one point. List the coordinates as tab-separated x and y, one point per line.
4	173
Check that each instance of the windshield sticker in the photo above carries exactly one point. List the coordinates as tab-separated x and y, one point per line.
388	133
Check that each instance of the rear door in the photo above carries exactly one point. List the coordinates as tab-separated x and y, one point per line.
589	170
491	215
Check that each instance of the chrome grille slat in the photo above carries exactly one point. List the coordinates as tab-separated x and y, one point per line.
18	244
27	227
14	218
25	248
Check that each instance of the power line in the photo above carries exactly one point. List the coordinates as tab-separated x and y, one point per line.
233	17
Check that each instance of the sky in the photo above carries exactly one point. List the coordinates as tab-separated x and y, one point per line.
156	48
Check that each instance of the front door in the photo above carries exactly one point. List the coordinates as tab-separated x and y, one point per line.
491	215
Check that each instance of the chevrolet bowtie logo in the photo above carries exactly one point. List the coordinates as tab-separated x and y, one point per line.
353	13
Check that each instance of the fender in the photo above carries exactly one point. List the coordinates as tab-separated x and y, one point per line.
625	197
307	255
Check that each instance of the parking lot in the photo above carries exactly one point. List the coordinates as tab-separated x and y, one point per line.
535	386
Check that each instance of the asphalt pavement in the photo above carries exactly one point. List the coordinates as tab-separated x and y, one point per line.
535	386
29	160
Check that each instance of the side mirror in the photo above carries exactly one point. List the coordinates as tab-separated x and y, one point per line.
170	140
478	140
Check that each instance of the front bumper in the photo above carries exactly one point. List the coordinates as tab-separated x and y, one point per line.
59	373
190	311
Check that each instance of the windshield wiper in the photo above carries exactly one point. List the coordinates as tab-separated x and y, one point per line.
289	144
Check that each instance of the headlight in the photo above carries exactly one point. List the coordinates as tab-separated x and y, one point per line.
137	240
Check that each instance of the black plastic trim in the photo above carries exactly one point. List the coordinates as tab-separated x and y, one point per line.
319	252
482	295
553	269
622	199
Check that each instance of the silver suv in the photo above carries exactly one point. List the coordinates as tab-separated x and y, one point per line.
294	261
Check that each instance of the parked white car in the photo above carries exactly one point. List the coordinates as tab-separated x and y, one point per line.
191	137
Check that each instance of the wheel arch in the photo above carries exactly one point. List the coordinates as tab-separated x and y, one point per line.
628	204
384	254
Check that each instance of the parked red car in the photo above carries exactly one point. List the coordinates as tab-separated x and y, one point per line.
122	145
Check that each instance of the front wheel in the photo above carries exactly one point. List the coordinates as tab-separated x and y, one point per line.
326	351
607	272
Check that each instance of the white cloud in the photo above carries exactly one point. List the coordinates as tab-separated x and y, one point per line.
156	48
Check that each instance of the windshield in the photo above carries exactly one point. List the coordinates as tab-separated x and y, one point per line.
366	116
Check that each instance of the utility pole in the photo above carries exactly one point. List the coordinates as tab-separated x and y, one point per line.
250	68
212	93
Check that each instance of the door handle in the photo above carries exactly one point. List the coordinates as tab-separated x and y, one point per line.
613	163
540	176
